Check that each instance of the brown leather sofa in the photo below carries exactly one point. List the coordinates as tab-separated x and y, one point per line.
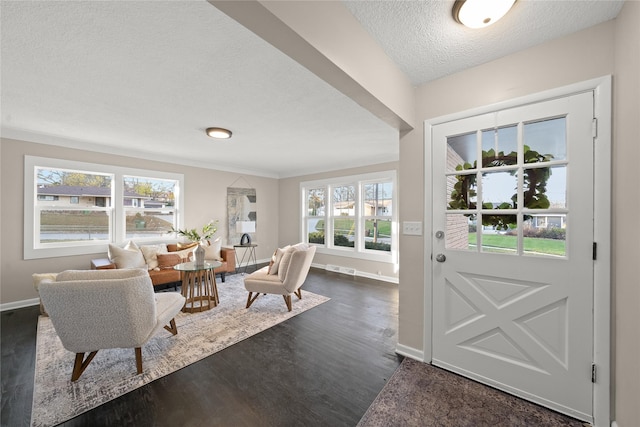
169	276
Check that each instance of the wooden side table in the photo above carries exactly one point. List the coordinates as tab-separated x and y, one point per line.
199	286
250	253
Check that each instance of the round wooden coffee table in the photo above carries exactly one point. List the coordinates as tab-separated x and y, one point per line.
199	285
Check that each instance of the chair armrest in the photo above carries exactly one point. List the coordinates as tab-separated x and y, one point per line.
102	264
229	256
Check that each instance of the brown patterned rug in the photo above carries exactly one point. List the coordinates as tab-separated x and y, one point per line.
112	372
419	394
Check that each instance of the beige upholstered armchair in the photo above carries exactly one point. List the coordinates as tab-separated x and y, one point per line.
99	309
284	276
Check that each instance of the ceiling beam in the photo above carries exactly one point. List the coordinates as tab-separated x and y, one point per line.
325	38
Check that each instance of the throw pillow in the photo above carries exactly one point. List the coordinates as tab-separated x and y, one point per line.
278	260
168	261
301	246
39	277
128	257
185	254
186	245
212	251
272	261
150	253
285	261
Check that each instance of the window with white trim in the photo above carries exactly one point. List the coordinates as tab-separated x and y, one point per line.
74	208
352	216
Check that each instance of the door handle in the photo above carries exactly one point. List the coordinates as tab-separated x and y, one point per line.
441	258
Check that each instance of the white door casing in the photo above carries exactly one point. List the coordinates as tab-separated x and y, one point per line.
519	322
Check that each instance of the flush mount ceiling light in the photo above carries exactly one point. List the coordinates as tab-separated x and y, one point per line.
480	13
219	133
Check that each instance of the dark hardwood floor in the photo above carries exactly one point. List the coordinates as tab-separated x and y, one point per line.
323	367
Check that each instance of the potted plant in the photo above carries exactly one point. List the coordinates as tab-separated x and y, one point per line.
199	237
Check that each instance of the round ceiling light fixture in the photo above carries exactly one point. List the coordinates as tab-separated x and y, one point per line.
220	133
480	13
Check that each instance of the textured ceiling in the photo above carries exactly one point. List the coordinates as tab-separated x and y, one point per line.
146	78
426	47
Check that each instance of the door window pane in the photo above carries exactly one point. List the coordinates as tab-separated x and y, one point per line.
461	152
499	190
497	240
500	146
460	232
545	235
535	188
547	137
557	187
461	192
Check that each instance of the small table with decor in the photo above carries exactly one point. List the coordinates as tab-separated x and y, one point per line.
199	285
250	253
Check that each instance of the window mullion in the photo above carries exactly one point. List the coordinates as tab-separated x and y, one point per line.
359	235
118	217
329	217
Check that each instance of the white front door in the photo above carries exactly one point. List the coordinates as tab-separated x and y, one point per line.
512	251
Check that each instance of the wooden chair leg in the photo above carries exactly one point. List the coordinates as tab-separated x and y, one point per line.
172	327
81	364
139	359
251	300
287	300
299	293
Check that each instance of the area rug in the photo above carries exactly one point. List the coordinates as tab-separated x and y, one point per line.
419	394
112	373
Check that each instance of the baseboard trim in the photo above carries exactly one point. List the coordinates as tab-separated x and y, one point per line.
378	277
614	424
19	304
410	352
361	274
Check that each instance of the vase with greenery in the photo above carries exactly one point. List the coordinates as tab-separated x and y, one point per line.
198	236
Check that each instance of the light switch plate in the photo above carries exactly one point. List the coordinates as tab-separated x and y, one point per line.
412	228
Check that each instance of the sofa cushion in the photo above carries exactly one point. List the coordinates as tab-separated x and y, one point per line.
161	277
150	253
128	257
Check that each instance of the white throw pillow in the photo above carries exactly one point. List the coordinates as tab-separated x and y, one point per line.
150	253
40	277
212	251
285	261
275	267
301	246
128	257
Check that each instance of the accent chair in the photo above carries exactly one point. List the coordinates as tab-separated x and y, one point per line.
101	309
283	276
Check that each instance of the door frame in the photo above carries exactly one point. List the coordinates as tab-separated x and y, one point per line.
601	88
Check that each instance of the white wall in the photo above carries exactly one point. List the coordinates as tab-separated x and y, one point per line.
609	48
205	199
626	206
